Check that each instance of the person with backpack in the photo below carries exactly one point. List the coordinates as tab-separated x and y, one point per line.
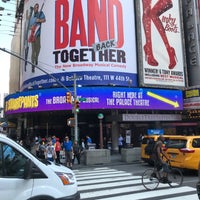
157	156
149	147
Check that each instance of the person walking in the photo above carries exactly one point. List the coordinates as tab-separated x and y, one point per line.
76	152
82	144
88	141
68	147
50	152
120	143
57	149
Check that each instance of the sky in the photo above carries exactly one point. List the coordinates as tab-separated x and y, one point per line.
6	24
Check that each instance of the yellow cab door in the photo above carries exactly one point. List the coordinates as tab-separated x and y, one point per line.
184	151
173	148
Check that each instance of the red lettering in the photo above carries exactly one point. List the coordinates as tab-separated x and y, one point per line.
105	21
97	16
78	25
116	5
61	26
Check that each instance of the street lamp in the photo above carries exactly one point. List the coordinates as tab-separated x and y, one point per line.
100	117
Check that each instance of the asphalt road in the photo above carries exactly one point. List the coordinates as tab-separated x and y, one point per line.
190	176
119	181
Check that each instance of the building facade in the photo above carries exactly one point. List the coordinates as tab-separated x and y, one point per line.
123	59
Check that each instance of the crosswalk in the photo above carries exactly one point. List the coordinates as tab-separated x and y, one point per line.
104	183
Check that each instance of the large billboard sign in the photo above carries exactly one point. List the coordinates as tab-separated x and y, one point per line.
93	38
160	38
95	98
191	14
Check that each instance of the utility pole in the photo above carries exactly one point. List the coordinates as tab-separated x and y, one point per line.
75	111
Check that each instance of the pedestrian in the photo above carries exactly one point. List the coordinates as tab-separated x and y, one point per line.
82	144
53	140
120	143
76	152
57	149
35	148
50	152
88	141
42	149
68	147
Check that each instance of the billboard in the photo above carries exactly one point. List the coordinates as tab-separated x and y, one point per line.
161	43
93	38
95	98
191	20
191	98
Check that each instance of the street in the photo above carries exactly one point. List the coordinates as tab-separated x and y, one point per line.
124	182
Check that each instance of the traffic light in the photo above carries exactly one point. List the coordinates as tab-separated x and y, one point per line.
77	106
68	97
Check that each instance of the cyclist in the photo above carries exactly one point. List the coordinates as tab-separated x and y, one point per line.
158	161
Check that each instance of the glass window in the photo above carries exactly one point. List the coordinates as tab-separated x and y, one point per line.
176	143
12	162
196	143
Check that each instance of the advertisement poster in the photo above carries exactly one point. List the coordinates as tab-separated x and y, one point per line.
93	38
162	43
95	98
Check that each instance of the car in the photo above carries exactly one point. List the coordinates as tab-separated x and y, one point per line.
183	151
23	176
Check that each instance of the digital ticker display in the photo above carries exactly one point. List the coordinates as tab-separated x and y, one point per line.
95	98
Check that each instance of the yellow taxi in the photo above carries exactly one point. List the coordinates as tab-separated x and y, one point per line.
183	151
145	140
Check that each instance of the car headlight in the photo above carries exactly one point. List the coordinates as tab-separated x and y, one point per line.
66	178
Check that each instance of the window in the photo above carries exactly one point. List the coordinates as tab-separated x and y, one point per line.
196	143
176	143
12	162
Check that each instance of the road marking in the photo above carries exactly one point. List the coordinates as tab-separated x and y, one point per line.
111	184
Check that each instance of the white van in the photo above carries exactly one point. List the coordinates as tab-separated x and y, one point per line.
24	177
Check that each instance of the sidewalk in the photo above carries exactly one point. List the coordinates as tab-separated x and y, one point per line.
115	160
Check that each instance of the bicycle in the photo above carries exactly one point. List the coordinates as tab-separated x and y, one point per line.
152	177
